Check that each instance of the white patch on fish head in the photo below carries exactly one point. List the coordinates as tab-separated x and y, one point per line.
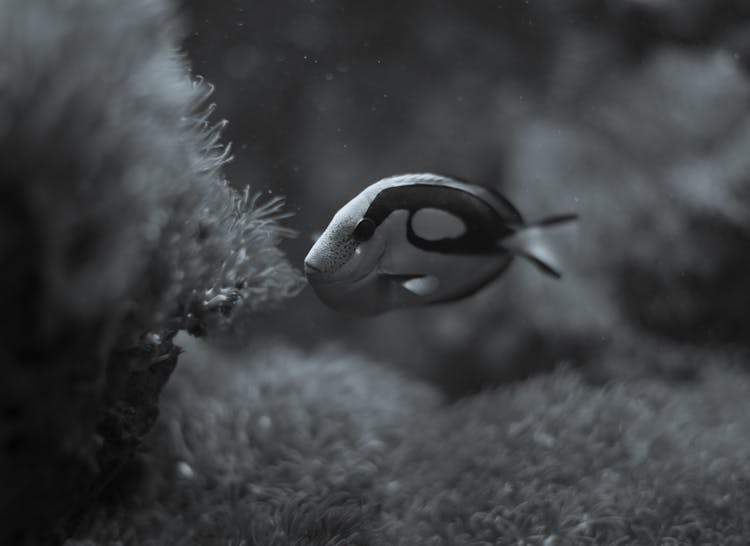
338	260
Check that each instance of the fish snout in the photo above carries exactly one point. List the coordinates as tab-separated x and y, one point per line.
312	270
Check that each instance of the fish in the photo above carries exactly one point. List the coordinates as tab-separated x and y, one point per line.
420	239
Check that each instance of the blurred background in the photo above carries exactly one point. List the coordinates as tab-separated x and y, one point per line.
633	113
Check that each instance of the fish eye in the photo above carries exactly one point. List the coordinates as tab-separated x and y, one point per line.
364	230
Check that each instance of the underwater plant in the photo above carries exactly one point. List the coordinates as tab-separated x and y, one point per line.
284	447
118	230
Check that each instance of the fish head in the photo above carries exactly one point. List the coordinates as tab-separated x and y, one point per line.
344	260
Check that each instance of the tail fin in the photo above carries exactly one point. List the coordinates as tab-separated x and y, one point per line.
529	243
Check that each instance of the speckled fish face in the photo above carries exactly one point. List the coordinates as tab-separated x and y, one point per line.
346	253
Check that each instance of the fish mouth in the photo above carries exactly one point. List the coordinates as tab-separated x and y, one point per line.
311	270
317	278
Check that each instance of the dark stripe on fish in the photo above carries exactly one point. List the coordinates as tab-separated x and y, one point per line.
488	217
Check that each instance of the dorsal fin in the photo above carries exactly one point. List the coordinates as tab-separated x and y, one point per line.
491	196
421	285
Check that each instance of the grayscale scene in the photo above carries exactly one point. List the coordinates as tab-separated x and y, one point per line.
326	272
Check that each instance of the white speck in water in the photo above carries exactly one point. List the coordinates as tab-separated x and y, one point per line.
329	76
256	489
544	439
185	470
374	444
393	486
264	422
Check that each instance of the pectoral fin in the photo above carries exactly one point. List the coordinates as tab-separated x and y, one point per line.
421	285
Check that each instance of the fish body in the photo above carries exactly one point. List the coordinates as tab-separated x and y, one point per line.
420	239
